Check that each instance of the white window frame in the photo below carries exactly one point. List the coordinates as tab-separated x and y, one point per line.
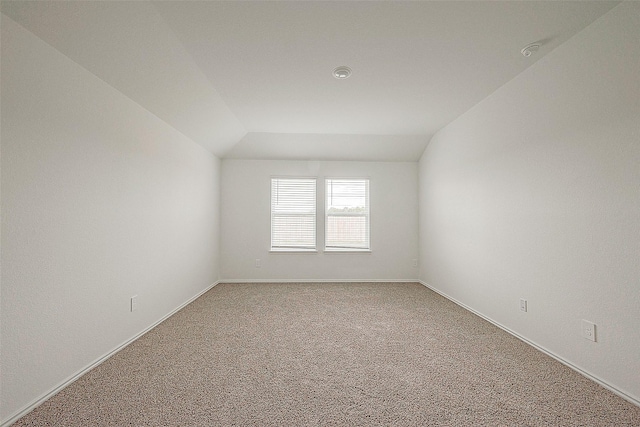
367	214
313	213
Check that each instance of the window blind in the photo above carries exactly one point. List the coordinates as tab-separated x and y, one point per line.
293	213
347	214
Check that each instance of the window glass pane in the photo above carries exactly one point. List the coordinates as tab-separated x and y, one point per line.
293	213
347	214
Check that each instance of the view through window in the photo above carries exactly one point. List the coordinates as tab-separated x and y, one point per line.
347	214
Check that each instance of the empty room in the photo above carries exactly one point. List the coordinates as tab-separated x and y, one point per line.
320	213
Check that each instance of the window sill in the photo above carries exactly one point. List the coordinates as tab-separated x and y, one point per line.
347	251
293	251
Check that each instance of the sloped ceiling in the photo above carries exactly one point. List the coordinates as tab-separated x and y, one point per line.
253	79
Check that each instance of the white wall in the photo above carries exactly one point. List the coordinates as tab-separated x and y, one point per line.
535	193
101	200
245	222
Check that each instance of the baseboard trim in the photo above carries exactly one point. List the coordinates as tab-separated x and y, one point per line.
38	401
231	281
549	353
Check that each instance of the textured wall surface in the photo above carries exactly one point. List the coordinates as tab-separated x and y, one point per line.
535	193
246	222
101	200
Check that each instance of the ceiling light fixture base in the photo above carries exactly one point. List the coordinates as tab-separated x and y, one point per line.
530	49
342	72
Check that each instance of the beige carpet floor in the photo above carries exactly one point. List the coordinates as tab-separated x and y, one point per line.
383	354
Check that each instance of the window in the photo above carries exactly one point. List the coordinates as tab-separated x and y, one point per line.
293	214
347	214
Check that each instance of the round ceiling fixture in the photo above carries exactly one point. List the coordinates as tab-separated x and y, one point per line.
530	49
342	72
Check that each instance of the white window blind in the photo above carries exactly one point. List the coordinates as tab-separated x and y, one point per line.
293	213
347	214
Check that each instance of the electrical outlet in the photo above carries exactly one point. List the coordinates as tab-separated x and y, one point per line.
588	330
134	303
258	263
414	262
523	305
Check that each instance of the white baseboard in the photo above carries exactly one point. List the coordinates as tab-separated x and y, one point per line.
318	281
557	357
38	401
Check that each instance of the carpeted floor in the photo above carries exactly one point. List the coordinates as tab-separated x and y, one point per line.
383	354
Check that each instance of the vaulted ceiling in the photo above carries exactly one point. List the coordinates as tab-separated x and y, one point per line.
254	79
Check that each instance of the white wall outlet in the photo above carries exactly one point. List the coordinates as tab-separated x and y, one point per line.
414	262
589	330
258	263
134	303
523	305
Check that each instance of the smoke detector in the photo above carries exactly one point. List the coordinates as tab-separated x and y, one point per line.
342	72
530	49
